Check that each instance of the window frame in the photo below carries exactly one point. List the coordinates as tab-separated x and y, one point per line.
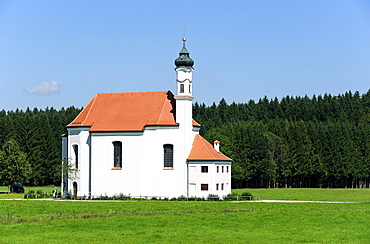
76	152
204	187
168	156
117	153
204	169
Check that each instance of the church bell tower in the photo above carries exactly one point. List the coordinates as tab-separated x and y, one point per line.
184	69
184	99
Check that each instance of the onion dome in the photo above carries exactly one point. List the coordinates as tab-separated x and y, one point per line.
184	59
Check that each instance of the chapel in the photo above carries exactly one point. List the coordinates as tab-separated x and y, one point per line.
144	144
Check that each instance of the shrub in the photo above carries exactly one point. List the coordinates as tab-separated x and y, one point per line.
192	198
182	198
213	197
231	197
246	194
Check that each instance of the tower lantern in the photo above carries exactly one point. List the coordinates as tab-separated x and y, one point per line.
184	69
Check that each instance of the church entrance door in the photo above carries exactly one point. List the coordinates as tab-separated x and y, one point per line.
75	188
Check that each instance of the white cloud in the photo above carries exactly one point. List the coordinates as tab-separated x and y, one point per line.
44	88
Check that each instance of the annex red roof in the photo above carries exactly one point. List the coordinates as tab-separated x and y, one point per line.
204	151
129	111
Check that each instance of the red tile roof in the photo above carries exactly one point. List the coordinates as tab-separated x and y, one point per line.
130	111
203	150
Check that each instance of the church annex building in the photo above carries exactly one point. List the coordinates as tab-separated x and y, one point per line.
144	144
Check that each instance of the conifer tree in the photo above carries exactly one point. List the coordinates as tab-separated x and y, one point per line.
14	165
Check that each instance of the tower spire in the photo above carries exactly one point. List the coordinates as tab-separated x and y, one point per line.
184	69
184	58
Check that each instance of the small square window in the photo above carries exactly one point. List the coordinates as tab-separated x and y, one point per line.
204	169
204	187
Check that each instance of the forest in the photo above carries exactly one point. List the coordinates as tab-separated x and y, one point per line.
319	141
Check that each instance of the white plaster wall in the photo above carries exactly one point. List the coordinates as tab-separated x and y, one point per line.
185	77
108	181
223	178
64	158
196	178
143	172
157	179
184	119
79	136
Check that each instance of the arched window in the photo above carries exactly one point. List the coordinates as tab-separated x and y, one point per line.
117	154
168	156
189	88
75	150
182	88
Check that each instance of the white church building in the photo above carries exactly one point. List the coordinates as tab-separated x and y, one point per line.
144	144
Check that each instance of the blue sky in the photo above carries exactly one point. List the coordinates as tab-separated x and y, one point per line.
60	53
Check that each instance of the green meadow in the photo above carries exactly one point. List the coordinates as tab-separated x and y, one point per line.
57	221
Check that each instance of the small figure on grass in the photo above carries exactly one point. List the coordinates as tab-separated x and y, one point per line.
55	193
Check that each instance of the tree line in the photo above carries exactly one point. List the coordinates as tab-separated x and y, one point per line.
322	141
36	134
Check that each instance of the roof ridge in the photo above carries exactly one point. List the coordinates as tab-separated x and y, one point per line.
88	107
127	111
88	112
107	93
160	114
205	146
101	111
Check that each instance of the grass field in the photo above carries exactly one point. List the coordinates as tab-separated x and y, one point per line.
27	188
311	194
193	222
47	189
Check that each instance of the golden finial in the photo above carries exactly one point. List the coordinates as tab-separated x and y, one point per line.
184	29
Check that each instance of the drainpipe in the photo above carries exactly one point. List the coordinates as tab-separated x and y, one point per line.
90	146
187	178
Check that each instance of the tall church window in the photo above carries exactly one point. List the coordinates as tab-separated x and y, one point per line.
117	154
75	150
182	88
189	88
168	156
